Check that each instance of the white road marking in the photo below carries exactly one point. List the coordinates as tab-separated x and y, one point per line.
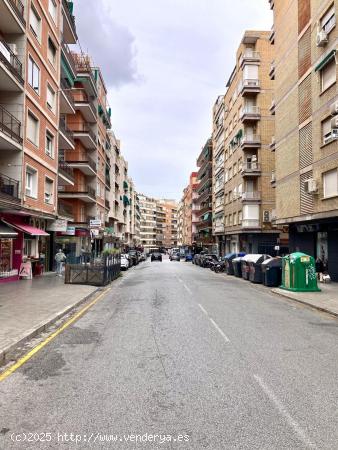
284	412
219	330
187	289
203	309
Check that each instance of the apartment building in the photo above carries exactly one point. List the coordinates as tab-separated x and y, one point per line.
148	224
170	228
203	236
180	215
243	127
188	213
306	98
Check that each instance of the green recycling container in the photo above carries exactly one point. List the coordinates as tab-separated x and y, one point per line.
299	273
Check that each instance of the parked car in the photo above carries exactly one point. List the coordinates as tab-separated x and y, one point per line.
198	258
133	256
188	257
124	262
143	257
209	260
175	256
156	256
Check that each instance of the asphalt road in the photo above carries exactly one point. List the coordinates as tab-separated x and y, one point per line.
176	352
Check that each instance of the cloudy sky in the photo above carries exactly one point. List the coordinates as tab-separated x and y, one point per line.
165	62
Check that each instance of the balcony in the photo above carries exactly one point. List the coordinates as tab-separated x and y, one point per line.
272	70
82	192
66	136
107	204
273	144
84	104
251	196
250	141
9	190
65	174
84	133
10	131
273	108
11	74
251	223
66	100
85	73
69	28
68	56
249	56
12	19
250	113
250	86
84	163
65	210
250	169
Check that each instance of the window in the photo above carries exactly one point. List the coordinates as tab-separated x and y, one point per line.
330	182
52	8
326	130
49	144
31	182
33	75
239	217
35	23
33	129
51	52
50	99
235	219
250	72
328	21
328	74
49	191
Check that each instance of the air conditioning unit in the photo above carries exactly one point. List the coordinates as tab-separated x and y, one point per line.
266	216
334	123
322	38
334	108
311	186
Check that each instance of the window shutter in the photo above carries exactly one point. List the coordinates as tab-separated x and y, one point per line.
251	72
328	74
330	183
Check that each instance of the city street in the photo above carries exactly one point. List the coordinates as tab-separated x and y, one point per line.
185	359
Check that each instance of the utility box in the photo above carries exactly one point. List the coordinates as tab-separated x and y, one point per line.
299	273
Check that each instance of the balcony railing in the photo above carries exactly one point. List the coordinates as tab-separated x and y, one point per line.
251	167
80	96
11	61
69	54
250	139
70	16
255	195
82	64
250	110
9	186
83	127
66	170
65	210
250	223
250	55
66	90
10	125
78	189
250	84
19	10
65	130
83	159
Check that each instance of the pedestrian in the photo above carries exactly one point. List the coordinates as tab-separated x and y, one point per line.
60	258
319	268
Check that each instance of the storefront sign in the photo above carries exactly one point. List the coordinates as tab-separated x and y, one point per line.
95	223
57	225
308	228
94	232
70	231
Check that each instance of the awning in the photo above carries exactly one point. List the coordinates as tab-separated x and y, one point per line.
6	232
325	60
32	231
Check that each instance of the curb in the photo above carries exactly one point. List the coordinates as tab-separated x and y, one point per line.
303	302
5	354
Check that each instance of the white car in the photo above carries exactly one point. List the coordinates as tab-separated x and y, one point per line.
124	262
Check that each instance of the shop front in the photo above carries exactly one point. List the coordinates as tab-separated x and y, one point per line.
9	263
75	243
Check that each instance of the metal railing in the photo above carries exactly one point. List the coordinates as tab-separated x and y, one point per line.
66	169
80	96
10	125
19	10
83	158
9	186
251	167
83	127
65	130
250	55
79	189
65	210
11	61
250	83
66	90
250	139
69	15
83	65
250	110
69	55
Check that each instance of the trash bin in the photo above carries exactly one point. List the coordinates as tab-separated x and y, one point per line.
245	264
229	268
237	266
255	268
299	273
272	272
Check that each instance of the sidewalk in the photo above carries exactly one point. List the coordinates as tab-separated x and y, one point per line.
28	306
326	300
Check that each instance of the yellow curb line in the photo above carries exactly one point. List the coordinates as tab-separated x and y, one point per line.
52	336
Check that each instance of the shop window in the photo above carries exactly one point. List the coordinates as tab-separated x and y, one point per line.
31	187
35	23
51	52
328	74
330	183
33	129
33	75
49	191
49	144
